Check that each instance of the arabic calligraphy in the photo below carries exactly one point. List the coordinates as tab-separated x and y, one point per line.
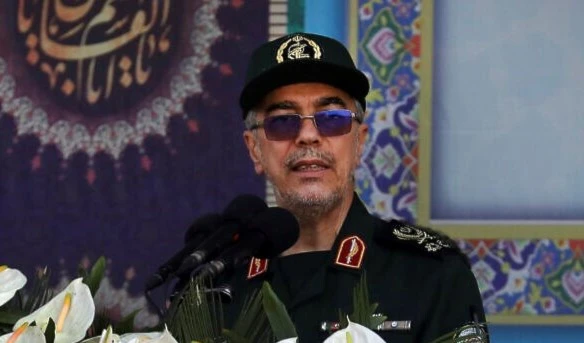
99	56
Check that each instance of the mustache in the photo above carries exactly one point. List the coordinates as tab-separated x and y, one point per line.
299	155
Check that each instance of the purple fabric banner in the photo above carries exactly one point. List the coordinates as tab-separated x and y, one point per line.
119	125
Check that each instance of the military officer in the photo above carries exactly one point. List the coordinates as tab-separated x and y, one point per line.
303	105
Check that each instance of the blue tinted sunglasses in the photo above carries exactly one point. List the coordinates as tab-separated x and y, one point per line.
287	126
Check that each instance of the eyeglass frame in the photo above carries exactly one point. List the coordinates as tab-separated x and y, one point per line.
260	124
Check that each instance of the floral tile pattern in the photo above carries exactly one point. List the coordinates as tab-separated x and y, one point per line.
523	277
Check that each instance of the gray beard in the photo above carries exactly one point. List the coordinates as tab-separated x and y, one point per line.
308	208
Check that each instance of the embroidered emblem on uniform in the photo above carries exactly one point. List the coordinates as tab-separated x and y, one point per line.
351	252
257	266
298	47
430	242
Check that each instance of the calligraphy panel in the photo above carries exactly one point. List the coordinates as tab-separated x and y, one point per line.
119	126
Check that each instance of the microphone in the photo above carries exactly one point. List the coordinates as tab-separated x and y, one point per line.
268	235
236	216
193	237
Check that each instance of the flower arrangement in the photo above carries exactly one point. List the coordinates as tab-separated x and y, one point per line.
67	317
194	316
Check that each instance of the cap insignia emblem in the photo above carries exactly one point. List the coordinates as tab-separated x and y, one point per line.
351	252
257	266
298	47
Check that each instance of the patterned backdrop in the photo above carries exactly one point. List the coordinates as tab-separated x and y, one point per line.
533	277
119	126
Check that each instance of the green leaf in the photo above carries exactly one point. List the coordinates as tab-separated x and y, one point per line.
93	279
126	325
277	314
10	317
101	321
343	322
4	329
196	314
40	292
363	311
361	306
376	321
50	331
233	337
82	271
252	323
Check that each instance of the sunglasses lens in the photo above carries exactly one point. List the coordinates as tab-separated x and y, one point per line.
282	127
329	123
334	122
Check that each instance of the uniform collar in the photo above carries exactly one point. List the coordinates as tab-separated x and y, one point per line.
354	238
349	252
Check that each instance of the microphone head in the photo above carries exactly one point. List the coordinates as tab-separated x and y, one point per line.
267	235
198	230
203	226
280	228
244	207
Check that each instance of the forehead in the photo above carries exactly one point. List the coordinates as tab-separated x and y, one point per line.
306	94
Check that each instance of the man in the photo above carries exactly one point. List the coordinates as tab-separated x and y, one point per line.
303	105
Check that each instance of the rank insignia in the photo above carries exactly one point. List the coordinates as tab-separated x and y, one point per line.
351	252
429	240
257	266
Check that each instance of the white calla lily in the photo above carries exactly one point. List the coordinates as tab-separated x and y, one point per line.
72	310
107	336
288	340
149	337
24	334
354	333
11	280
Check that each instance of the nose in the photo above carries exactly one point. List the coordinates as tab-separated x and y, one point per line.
308	134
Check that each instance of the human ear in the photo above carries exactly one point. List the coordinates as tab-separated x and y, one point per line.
362	134
253	147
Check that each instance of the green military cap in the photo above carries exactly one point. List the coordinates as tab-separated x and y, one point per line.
301	57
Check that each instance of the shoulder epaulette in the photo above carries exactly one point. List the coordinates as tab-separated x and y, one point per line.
422	238
397	233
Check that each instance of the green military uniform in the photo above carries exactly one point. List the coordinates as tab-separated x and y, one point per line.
417	276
